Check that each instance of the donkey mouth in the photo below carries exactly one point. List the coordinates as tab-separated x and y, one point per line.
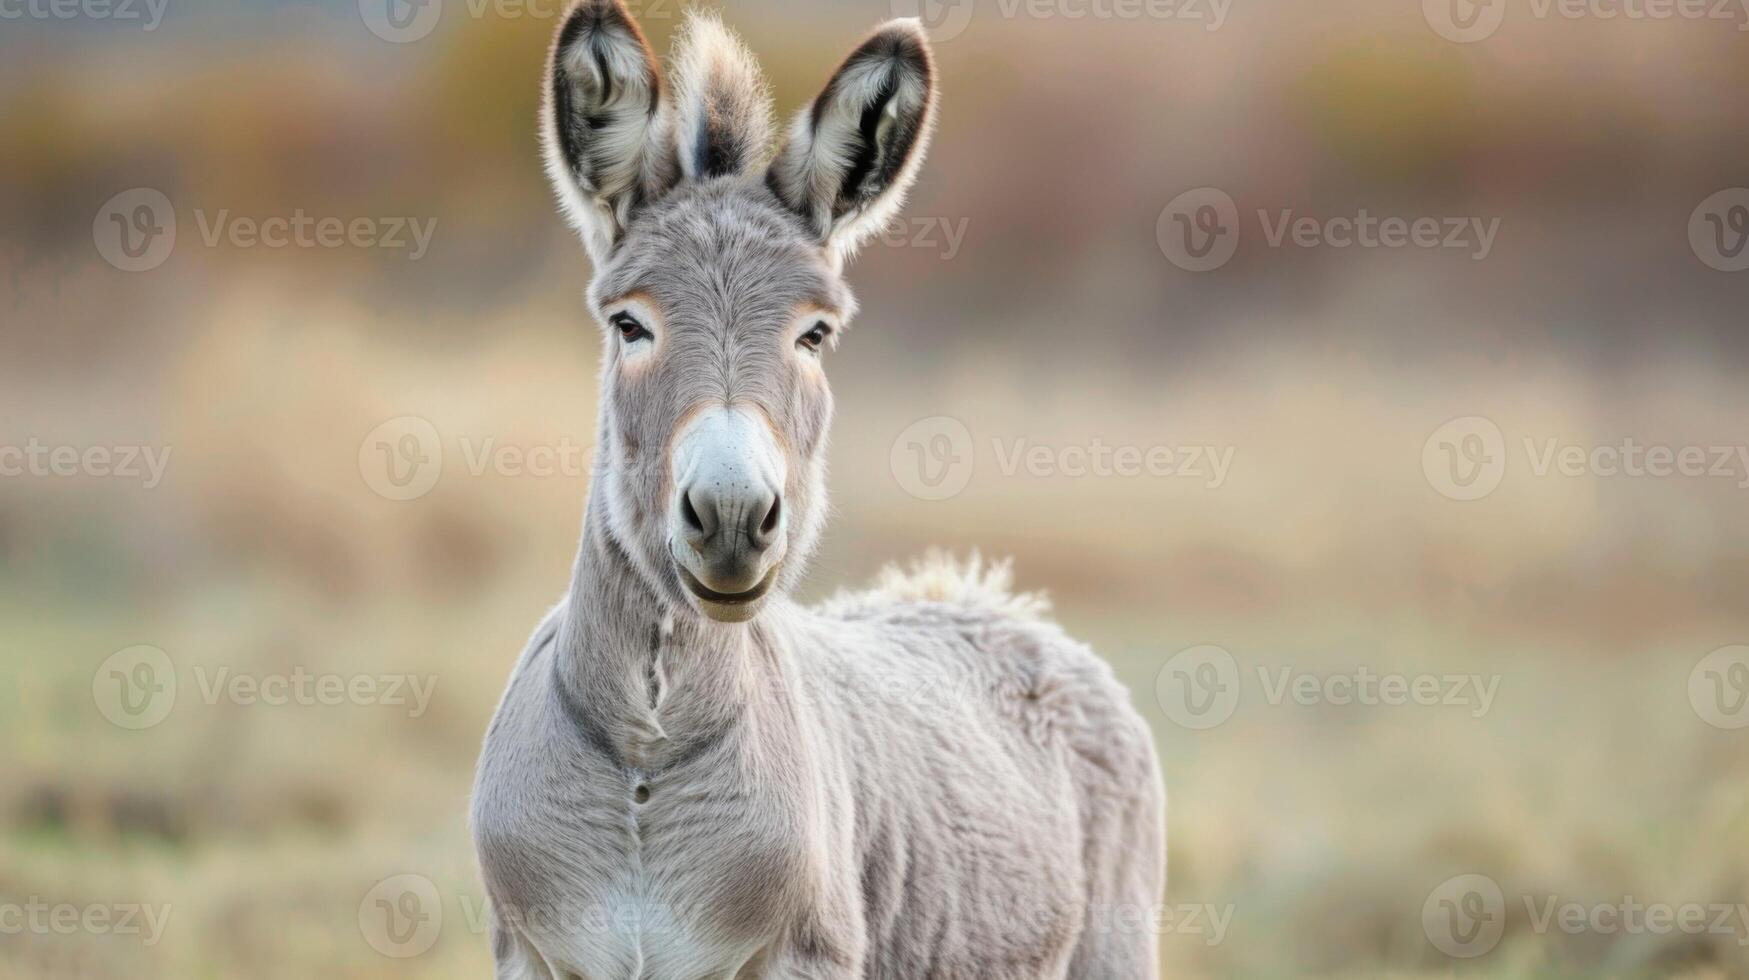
708	594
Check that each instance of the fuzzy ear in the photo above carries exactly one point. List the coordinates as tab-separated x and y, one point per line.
854	152
722	101
605	125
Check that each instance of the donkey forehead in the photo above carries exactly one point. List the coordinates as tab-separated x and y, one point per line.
720	254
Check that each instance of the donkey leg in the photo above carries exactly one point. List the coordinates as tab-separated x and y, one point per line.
1124	846
1118	941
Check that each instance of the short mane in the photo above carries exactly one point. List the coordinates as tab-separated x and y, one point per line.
942	578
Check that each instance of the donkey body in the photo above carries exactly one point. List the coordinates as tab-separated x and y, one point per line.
690	776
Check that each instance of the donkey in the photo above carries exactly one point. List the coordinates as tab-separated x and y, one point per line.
690	775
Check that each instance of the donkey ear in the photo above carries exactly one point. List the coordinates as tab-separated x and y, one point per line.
854	152
723	103
605	125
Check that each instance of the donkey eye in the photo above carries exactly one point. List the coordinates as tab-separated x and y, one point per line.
813	339
629	328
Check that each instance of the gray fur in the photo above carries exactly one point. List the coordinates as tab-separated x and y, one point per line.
925	781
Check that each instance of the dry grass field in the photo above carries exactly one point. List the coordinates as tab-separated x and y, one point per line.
1417	687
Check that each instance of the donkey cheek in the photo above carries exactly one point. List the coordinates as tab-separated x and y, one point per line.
811	428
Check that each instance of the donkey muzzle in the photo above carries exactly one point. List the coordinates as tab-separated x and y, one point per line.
728	520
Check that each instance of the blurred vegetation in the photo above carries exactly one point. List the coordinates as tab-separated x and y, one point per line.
1324	829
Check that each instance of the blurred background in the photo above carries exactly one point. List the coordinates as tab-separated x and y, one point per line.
296	410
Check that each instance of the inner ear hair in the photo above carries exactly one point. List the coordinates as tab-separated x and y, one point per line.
854	152
722	101
605	124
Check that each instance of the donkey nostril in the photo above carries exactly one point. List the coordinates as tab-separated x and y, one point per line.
770	523
689	515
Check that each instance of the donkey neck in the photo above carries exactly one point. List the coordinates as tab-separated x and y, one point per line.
651	684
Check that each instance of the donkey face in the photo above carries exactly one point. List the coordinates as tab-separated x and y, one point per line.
718	282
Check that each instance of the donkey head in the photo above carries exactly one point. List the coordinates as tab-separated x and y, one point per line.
718	282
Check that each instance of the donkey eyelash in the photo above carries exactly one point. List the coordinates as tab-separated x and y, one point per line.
630	330
816	336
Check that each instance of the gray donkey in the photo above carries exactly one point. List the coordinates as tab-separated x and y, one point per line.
691	776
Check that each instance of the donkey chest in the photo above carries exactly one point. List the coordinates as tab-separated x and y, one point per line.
625	873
